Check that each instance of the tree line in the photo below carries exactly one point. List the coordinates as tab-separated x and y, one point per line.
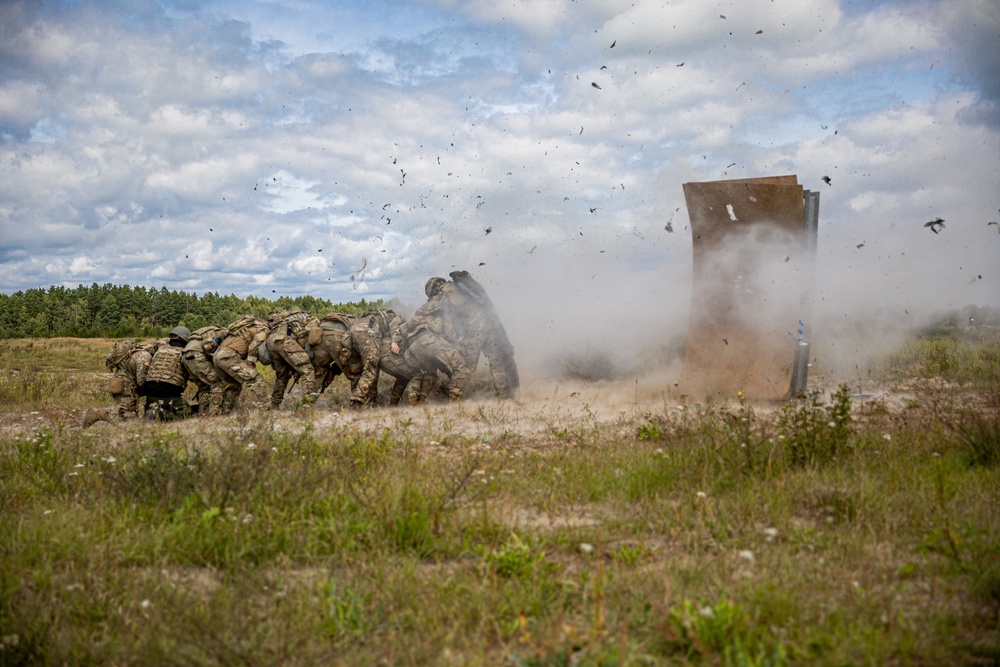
119	311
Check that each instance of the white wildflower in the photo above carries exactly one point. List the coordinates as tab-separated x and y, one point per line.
586	548
747	555
251	445
886	436
770	534
79	465
701	494
145	604
110	459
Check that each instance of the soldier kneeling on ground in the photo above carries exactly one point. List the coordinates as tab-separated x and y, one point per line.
166	380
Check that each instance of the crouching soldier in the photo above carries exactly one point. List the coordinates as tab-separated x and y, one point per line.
286	343
367	336
427	341
166	380
236	358
129	362
217	393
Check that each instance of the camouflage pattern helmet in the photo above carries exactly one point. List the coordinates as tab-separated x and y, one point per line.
433	286
181	332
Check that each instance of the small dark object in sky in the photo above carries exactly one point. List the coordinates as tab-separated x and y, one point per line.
994	223
210	229
255	187
488	230
613	44
482	263
532	249
595	85
730	165
722	16
860	245
823	127
320	250
681	65
385	207
273	291
827	179
604	66
581	129
669	227
936	225
593	210
726	341
759	32
185	257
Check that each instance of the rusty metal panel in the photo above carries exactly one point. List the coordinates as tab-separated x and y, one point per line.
753	271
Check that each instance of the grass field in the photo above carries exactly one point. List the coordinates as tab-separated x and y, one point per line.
582	524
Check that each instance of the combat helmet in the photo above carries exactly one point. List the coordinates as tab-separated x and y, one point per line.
433	286
181	332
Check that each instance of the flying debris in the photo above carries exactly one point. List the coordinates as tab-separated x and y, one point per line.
759	32
827	179
613	44
726	341
532	249
604	66
595	85
669	227
681	65
860	245
320	250
936	225
730	165
482	263
722	16
581	129
488	230
359	275
593	210
210	229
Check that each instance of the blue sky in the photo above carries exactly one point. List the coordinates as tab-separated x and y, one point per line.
271	148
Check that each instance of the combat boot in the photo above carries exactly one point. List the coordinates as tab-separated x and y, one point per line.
94	415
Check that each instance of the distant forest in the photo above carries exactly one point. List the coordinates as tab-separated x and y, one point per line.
118	311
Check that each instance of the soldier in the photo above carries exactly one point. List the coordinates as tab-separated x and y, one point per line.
236	358
428	340
217	393
325	347
167	378
480	330
129	361
285	342
366	337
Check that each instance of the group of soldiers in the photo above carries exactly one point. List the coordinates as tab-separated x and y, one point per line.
437	349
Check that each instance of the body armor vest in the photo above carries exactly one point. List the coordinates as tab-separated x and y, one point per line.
167	367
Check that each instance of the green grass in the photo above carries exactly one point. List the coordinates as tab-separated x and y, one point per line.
820	532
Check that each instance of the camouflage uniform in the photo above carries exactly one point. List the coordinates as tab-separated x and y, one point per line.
236	358
129	362
428	341
217	393
367	336
477	334
327	350
285	343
